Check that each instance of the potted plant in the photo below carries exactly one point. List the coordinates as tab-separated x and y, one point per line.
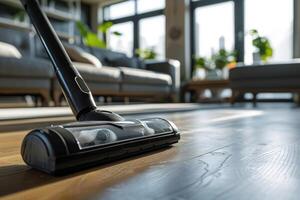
200	68
224	60
264	50
90	38
217	67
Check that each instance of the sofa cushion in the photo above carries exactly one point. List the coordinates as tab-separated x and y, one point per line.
8	50
125	61
24	84
115	59
79	55
279	70
25	67
102	54
103	74
140	76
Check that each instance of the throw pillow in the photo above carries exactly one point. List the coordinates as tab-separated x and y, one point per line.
78	55
8	50
122	61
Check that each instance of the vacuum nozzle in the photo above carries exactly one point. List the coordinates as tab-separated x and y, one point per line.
63	149
99	115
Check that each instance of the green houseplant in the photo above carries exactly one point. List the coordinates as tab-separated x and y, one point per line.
201	67
90	38
262	44
202	63
222	58
20	16
146	54
213	68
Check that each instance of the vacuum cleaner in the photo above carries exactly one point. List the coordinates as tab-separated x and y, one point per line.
98	136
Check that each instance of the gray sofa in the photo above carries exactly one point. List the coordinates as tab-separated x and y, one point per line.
275	77
26	75
119	76
138	77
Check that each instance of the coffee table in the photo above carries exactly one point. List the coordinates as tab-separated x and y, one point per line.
197	87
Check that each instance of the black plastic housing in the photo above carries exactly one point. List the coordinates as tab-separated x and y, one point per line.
54	150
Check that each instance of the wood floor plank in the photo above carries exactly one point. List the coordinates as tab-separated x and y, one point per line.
223	154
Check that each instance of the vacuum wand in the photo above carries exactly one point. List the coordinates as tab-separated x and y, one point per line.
76	91
74	87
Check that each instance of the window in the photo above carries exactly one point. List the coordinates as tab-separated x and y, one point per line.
214	28
228	22
124	43
150	5
150	39
136	20
119	10
273	19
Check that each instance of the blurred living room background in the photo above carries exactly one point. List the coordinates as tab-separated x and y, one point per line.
136	51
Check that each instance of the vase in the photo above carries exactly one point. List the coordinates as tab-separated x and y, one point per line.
214	75
256	58
225	73
199	74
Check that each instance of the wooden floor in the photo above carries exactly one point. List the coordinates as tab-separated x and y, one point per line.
223	154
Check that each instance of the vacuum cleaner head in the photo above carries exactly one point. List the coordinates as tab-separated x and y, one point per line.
62	149
99	136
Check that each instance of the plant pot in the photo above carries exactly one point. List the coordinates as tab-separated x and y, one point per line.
225	73
199	74
214	75
256	58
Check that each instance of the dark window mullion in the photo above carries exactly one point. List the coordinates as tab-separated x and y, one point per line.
135	7
136	35
150	14
239	29
121	20
137	17
135	29
193	37
197	4
295	20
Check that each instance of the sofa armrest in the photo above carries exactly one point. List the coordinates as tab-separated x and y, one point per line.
170	67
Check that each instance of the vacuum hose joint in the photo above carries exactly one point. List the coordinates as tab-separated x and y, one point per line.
99	115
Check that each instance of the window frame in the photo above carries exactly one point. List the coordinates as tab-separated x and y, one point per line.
133	18
238	24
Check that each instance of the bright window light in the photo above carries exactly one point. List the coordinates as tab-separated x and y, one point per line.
150	39
150	5
123	43
119	10
214	28
273	19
